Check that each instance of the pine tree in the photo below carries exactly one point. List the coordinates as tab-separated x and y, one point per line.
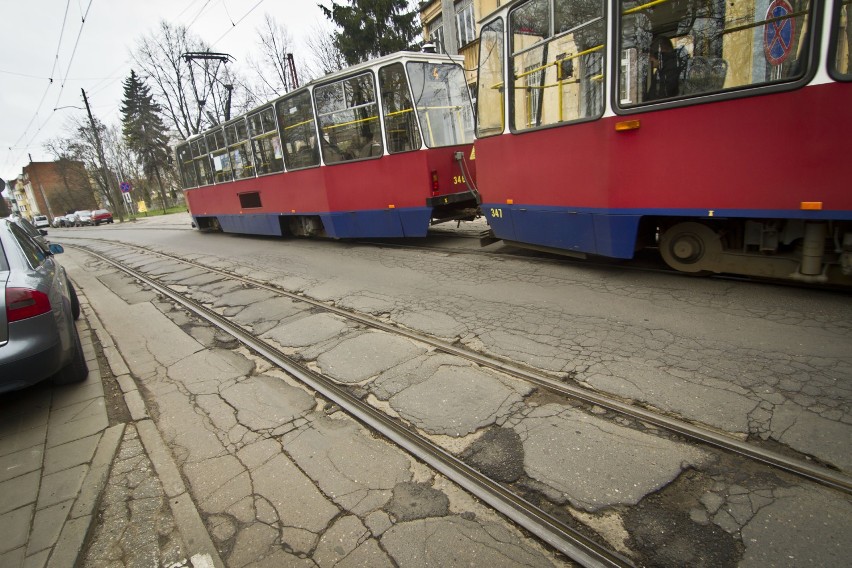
144	130
371	28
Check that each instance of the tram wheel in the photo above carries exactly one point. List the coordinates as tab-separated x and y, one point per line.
690	247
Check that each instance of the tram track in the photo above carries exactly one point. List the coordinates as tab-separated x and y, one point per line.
692	431
569	541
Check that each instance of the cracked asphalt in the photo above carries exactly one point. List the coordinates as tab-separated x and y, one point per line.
281	477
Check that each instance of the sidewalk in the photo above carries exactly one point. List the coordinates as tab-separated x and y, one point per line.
61	459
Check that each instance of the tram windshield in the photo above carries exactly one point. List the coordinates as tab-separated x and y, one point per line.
442	102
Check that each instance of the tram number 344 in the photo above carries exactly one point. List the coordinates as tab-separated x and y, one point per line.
458	180
496	213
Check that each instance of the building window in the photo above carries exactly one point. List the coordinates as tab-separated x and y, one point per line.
435	29
465	22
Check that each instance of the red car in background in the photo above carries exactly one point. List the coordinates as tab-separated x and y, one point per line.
101	216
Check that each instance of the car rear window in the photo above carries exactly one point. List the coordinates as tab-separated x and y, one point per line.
31	250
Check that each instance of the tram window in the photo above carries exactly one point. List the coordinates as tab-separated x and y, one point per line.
269	158
442	102
219	156
349	119
298	131
558	74
401	128
694	47
201	160
490	86
841	67
186	165
242	161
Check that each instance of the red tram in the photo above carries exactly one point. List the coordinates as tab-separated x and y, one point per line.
379	150
716	130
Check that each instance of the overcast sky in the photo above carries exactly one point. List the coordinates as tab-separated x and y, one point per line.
97	58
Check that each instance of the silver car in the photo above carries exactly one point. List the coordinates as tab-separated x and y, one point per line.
38	306
82	218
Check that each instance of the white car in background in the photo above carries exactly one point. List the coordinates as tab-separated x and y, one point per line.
41	221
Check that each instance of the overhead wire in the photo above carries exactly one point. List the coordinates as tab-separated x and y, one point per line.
51	82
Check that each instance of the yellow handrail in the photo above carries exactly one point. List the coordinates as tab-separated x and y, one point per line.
333	126
546	65
299	124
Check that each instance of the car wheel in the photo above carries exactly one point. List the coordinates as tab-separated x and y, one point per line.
75	303
77	370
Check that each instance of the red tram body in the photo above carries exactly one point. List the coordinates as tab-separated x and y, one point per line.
740	167
341	158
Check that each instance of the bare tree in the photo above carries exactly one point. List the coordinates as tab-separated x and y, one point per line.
327	57
275	69
193	93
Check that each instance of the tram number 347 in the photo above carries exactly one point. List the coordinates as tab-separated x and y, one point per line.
496	213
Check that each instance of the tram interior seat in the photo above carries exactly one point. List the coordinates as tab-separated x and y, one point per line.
704	74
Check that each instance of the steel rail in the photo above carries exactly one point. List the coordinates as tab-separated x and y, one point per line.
562	537
802	468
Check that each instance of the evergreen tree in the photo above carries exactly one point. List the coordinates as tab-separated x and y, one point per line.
371	28
144	130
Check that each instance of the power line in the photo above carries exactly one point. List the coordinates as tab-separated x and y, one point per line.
252	9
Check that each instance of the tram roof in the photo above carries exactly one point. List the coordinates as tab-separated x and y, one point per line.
378	62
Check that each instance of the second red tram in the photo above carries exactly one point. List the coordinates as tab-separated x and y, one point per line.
381	149
715	130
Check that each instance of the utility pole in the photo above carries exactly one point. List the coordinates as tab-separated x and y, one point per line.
448	20
100	148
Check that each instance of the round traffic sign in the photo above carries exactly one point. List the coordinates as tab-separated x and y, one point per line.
779	32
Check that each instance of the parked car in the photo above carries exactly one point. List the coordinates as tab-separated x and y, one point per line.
70	220
38	306
41	222
58	221
83	217
101	216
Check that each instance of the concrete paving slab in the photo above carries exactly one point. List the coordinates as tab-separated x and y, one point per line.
454	541
24	410
71	454
14	558
359	358
19	491
457	401
358	471
265	403
15	528
23	439
204	371
77	411
307	331
19	463
73	394
61	486
47	525
296	499
62	433
562	452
